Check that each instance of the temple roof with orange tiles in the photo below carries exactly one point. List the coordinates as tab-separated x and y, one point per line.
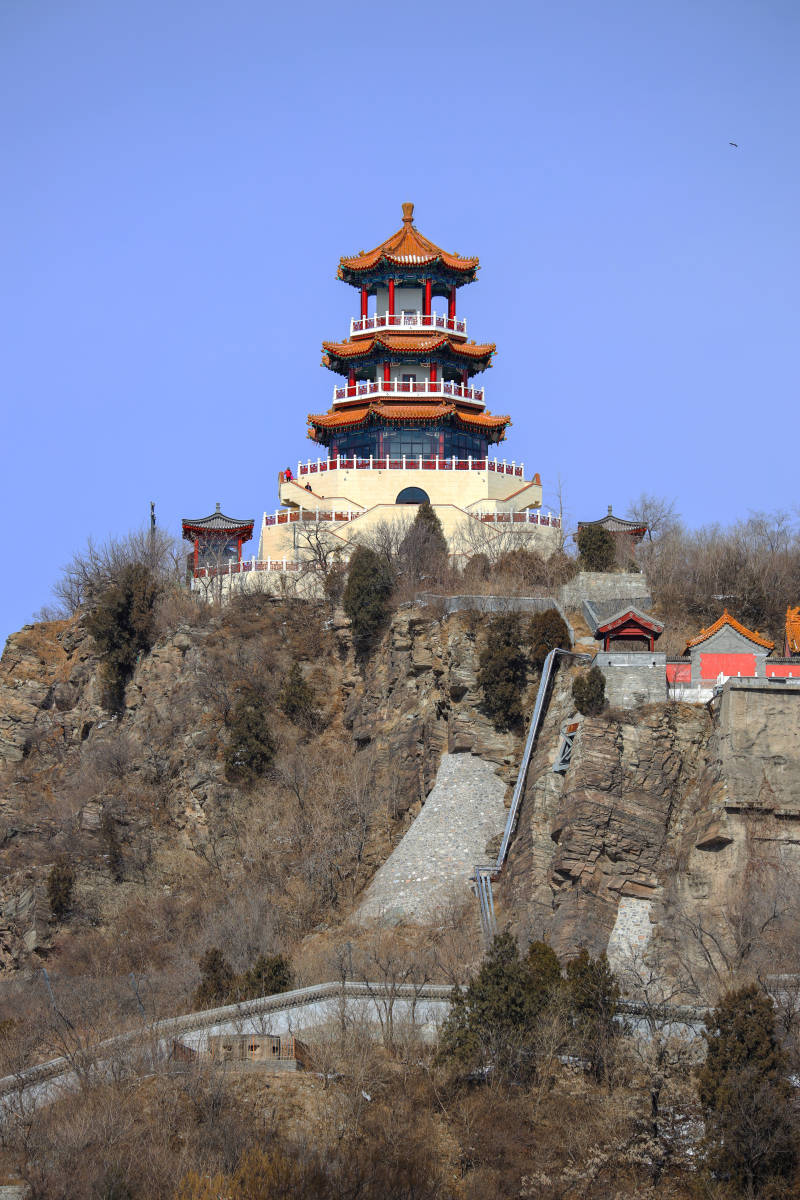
726	619
357	415
415	344
793	630
407	248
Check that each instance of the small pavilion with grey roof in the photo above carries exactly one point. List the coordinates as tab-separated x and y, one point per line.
217	539
621	624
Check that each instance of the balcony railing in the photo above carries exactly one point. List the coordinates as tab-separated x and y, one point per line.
292	516
411	320
406	463
525	517
398	387
250	564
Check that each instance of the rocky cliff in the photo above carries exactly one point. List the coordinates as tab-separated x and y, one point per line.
671	839
673	833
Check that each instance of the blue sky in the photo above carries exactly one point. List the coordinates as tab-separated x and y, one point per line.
181	178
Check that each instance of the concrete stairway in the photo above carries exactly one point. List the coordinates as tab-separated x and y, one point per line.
436	858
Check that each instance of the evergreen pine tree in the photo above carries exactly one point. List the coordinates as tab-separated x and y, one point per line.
491	1024
217	980
296	699
424	552
589	692
745	1094
366	595
546	632
502	670
593	994
268	975
251	748
596	547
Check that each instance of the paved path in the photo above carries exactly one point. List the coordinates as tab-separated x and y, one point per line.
433	863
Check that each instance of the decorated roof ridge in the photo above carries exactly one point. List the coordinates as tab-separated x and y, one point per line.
218	521
614	523
407	412
406	246
361	347
793	629
752	635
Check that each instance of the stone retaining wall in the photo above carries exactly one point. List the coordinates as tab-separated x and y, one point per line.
602	585
633	677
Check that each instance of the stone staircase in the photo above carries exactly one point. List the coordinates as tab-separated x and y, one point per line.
432	865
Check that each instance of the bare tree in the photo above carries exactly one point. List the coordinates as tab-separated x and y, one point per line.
91	570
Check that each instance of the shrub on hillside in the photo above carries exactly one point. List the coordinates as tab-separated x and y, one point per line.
547	631
268	975
596	547
251	748
296	699
366	596
593	995
476	570
122	623
217	980
220	984
589	692
502	670
750	1134
60	888
522	566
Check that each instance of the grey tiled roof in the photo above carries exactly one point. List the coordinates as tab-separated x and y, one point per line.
217	522
601	612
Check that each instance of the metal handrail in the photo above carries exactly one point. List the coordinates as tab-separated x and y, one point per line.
483	874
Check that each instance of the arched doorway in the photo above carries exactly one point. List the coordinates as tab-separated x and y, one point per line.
411	495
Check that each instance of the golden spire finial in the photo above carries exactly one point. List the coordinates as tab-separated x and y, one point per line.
408	212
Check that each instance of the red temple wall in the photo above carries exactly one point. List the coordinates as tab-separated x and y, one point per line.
729	664
783	670
679	672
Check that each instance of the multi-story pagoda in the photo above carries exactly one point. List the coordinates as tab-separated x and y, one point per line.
408	420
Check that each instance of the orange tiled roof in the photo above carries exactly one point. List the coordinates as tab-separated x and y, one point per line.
405	247
407	412
424	344
793	630
727	619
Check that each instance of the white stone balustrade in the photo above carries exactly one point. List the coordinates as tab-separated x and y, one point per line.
417	321
407	463
397	387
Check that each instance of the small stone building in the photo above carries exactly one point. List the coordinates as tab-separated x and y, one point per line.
727	648
277	1052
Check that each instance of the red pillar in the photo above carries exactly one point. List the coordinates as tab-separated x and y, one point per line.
351	378
433	372
465	378
451	307
426	311
364	302
387	366
238	550
196	552
391	297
